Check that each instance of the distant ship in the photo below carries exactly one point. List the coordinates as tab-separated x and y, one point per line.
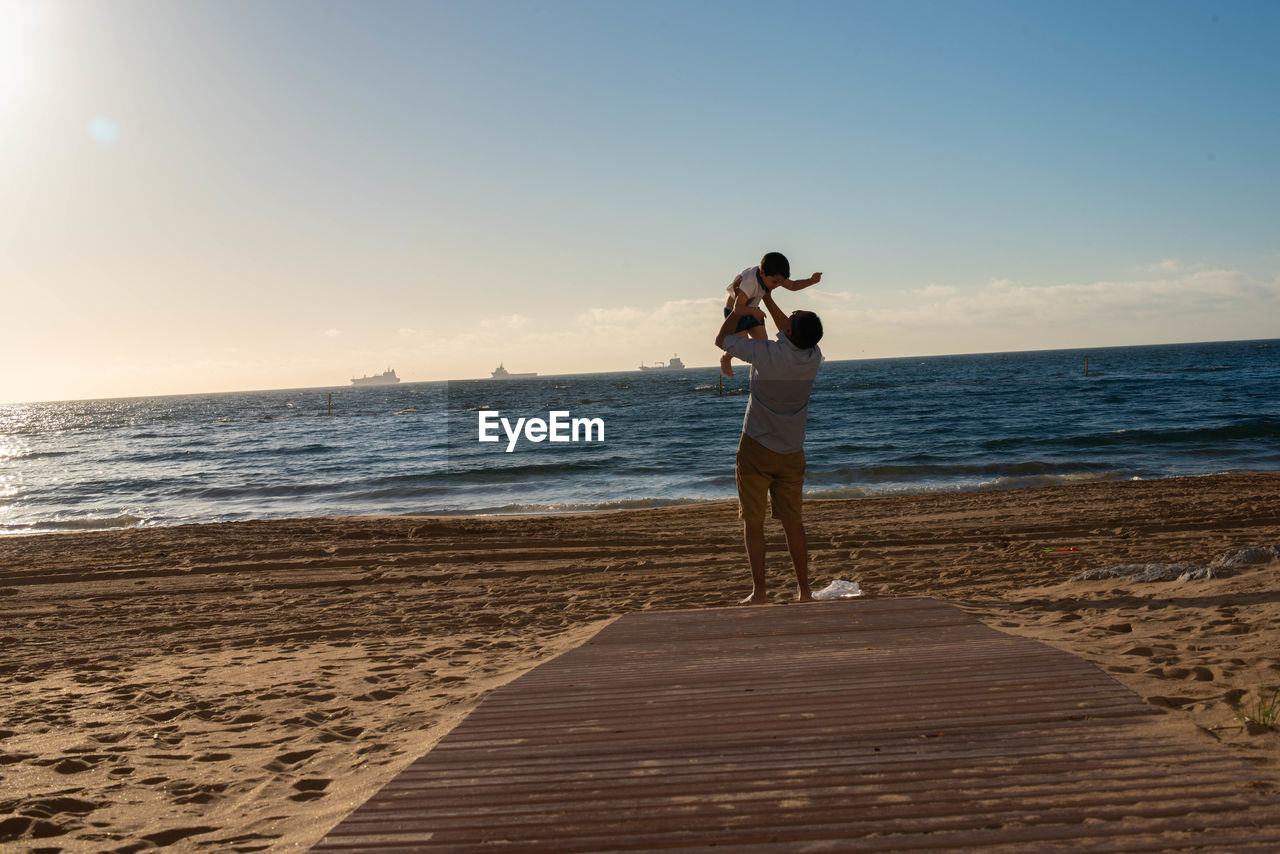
674	365
501	373
387	377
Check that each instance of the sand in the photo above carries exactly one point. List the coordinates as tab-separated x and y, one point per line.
243	686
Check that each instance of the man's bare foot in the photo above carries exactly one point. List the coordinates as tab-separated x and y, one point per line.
753	599
805	596
725	367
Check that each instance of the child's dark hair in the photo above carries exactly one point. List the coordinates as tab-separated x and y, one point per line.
775	264
806	330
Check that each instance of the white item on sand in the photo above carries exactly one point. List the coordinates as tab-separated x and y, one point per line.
839	590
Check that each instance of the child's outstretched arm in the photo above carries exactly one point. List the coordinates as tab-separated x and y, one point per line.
802	283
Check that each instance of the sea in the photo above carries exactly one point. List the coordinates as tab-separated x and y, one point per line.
603	441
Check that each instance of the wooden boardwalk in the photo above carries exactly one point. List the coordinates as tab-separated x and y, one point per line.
884	725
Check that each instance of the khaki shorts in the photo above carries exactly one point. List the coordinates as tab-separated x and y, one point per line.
760	471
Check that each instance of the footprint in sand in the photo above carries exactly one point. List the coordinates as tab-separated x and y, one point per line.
177	834
310	789
345	733
197	793
287	760
50	807
18	827
380	694
166	716
318	698
73	765
242	722
315	718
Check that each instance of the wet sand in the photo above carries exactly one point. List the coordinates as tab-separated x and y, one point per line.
244	686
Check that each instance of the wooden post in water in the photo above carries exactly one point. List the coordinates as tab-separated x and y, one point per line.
1086	366
330	403
721	393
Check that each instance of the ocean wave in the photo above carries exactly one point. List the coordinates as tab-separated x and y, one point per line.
83	523
261	490
886	490
845	492
505	473
1244	430
571	507
1029	481
936	472
1259	428
304	450
421	491
173	456
38	455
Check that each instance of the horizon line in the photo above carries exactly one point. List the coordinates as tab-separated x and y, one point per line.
331	388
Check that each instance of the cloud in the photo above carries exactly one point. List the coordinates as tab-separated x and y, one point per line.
628	318
1198	305
1004	301
608	316
509	321
332	333
820	296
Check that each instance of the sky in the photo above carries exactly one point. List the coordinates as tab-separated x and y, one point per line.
216	195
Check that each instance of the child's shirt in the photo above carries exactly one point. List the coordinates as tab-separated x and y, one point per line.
751	285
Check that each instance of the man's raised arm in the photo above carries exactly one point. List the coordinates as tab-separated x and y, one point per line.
780	320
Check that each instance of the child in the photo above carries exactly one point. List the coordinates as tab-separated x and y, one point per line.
749	286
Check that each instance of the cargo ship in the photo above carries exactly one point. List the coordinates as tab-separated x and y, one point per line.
387	377
501	373
674	365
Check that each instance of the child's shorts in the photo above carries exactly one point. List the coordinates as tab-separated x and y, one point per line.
761	472
745	322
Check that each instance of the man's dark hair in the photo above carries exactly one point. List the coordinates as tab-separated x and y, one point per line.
775	264
806	330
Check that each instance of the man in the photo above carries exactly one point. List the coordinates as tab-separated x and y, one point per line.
771	451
